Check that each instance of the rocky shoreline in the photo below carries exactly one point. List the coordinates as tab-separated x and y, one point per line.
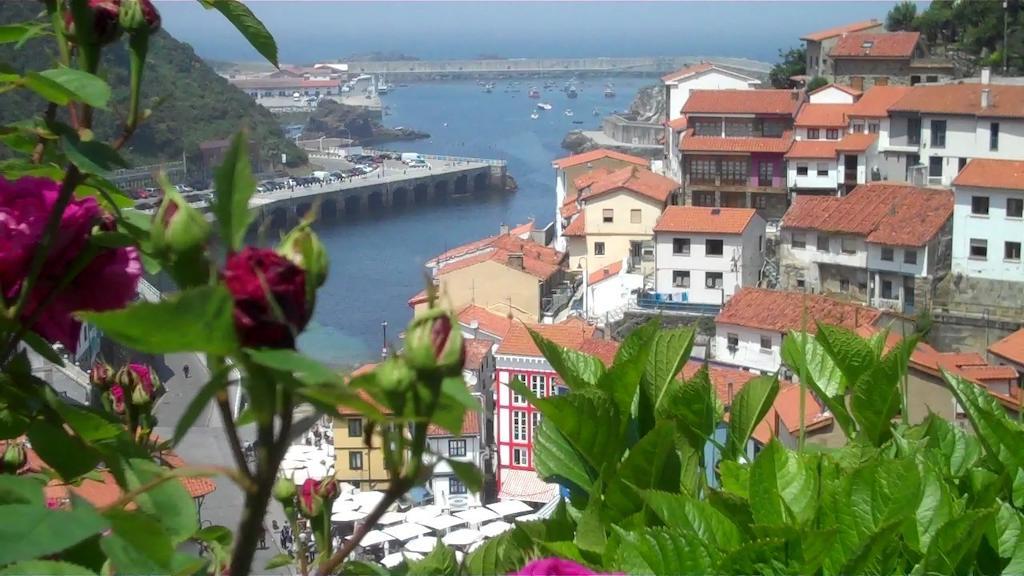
359	124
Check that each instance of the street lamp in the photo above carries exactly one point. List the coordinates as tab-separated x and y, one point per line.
384	346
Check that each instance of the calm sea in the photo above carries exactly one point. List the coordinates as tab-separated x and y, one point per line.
377	263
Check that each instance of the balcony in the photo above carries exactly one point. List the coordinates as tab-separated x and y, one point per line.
893	304
742	184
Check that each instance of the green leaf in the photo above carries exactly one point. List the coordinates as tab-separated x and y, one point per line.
735	478
169	503
1005	534
748	408
762	556
589	420
19	33
91	425
935	508
783	487
877	395
249	25
953	541
468	473
234	185
440	561
138	545
852	355
669	352
698	517
302	367
591	531
219	534
807	358
623	378
45	568
555	459
652	463
87	88
280	561
66	454
48	89
577	370
694	406
1000	437
199	319
867	559
957	450
218	381
499	555
662	551
21	490
1018	489
29	531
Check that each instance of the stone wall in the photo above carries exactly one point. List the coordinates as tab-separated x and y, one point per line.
897	71
980	298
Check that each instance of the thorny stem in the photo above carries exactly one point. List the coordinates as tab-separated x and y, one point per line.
393	493
49	116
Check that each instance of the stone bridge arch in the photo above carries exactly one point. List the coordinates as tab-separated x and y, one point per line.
375	201
400	197
421	193
329	210
441	190
353	205
461	184
480	182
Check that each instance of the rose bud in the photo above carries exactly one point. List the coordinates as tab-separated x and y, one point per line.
433	342
303	248
178	227
310	504
393	374
139	15
255	277
104	29
14	458
284	491
101	376
117	398
328	490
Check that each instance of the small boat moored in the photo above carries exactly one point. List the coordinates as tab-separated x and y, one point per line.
543	105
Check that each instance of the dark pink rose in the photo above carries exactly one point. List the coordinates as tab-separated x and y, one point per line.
254	276
145	377
117	398
25	205
310	502
554	567
105	26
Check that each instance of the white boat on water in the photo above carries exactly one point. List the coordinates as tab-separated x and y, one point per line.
543	105
568	112
534	114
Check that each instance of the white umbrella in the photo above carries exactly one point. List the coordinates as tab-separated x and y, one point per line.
406	531
422	513
462	537
494	528
477	515
459	557
344	504
347	516
510	507
374	538
423	544
393	560
368	499
443	522
300	475
475	545
390	518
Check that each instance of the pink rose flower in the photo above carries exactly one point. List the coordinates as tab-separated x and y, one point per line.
554	567
310	502
117	398
255	275
24	207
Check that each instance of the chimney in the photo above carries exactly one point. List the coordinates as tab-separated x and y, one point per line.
986	75
474	326
503	230
986	98
795	95
515	260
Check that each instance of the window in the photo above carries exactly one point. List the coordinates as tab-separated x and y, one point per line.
931	78
872	127
801	169
914	131
538	385
858	127
823	242
798	240
355	427
887	254
1014	207
355	460
704	127
813	133
766	342
702	169
455	486
915	79
887	291
681	246
681	278
519	426
979	205
608	215
713	247
848	246
832	134
1012	251
761	201
732	341
598	248
738	128
519	457
456	448
938	133
801	284
764	174
979	249
844	285
734	170
534	420
703	198
822	168
713	280
516	397
993	136
935	167
634	216
961	164
909	256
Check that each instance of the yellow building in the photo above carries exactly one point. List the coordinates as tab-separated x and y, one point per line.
356	463
614	217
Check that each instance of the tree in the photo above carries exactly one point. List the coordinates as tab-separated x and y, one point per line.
816	82
793	63
901	17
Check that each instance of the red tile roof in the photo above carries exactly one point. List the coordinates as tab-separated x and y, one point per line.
540	261
703	220
691	143
470	426
678	125
489	322
577	159
477	245
876	45
736	101
823	115
590	177
783	311
687	71
571	333
813	149
849	90
876	101
840	30
1011	348
634	179
985	173
858	142
963	99
578	226
890	214
419	298
603	350
476	351
608	271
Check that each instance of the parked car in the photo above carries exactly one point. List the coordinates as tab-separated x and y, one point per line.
184	189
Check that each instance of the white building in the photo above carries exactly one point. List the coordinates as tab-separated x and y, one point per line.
988	220
678	84
704	255
609	290
449	492
750	329
880	245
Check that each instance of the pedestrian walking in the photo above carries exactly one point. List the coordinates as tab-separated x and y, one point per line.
186	370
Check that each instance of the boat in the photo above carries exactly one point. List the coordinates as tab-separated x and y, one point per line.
543	106
597	112
382	86
568	112
609	92
534	93
535	114
571	92
577	121
489	87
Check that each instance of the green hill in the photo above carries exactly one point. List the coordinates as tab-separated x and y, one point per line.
190	102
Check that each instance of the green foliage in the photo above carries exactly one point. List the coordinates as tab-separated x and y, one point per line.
976	28
234	185
792	62
816	82
901	17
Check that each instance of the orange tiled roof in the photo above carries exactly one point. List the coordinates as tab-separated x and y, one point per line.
876	101
963	99
489	322
848	89
603	350
569	334
476	351
783	311
704	220
734	101
470	426
678	125
419	298
634	179
590	177
578	226
1011	348
813	149
693	143
540	261
477	245
577	159
608	271
876	45
985	173
823	115
687	71
858	142
840	30
890	214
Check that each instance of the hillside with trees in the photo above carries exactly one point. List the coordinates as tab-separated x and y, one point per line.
972	30
190	102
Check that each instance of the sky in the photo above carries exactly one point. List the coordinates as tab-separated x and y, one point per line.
308	31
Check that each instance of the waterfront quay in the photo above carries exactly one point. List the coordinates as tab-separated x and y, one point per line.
393	185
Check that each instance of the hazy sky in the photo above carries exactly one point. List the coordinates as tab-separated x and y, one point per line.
308	30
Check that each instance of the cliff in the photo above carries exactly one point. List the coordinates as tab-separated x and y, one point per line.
360	124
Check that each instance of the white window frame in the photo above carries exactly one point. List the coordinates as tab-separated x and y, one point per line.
519	426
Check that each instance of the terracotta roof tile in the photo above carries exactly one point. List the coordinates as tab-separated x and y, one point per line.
584	180
848	89
477	245
876	45
823	115
608	271
487	321
1011	348
813	149
577	159
539	261
687	71
569	209
678	125
783	311
890	214
476	351
634	179
569	334
603	350
768	101
470	426
985	173
858	142
876	101
419	298
840	30
691	143
702	220
578	226
963	99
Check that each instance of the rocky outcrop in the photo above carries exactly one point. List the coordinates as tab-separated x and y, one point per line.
334	120
648	104
577	142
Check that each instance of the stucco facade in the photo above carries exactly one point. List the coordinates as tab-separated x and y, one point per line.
633	217
449	492
496	286
694	273
566	188
355	463
994	230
